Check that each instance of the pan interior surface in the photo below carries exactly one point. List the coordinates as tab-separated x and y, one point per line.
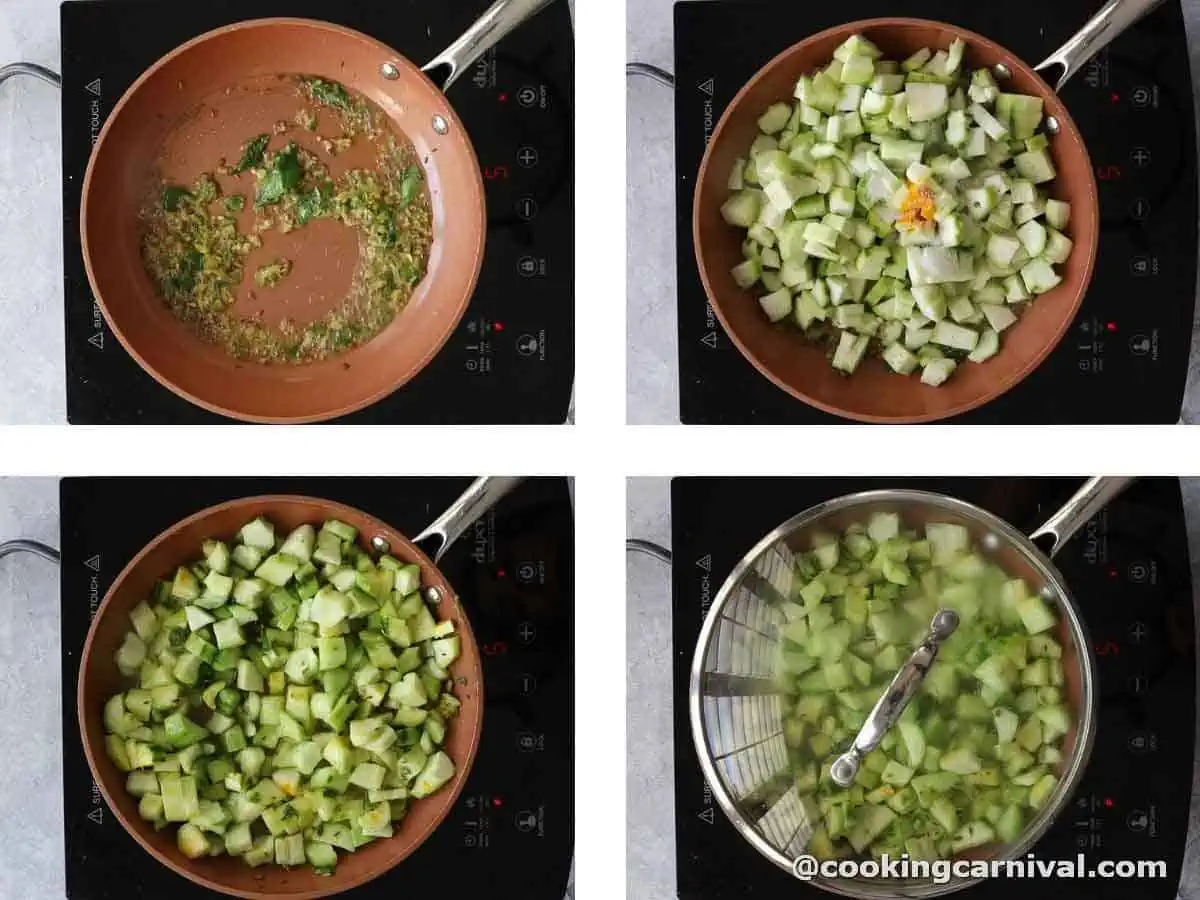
873	393
736	709
203	102
99	679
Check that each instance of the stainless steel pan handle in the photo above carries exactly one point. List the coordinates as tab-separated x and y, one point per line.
475	502
1113	20
489	29
1096	494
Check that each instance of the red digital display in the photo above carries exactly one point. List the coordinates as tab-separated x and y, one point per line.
1108	173
495	173
1108	648
495	648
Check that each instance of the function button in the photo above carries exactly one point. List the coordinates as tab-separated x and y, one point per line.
1143	266
528	344
528	157
1144	345
1141	743
528	96
1144	96
1143	821
531	742
531	267
527	209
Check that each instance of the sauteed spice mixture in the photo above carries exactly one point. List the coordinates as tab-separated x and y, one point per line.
195	246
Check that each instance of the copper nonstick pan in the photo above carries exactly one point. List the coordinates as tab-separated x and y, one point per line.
99	679
874	393
180	117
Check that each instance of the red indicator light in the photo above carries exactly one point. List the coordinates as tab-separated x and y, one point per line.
503	98
497	802
497	326
1112	573
500	573
1115	97
1108	803
1111	326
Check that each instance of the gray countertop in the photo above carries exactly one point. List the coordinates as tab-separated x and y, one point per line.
31	314
652	377
650	784
31	804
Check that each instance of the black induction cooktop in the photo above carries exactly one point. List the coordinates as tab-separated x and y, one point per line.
1125	357
511	360
1128	569
511	832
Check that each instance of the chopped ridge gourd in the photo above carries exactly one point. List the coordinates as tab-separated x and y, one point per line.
288	698
978	751
890	197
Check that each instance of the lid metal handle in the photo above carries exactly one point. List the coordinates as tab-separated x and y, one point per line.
895	699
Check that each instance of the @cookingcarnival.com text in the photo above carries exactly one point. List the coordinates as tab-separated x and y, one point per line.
943	871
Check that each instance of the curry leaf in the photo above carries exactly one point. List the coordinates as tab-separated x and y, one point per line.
315	203
329	92
172	196
283	174
252	153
